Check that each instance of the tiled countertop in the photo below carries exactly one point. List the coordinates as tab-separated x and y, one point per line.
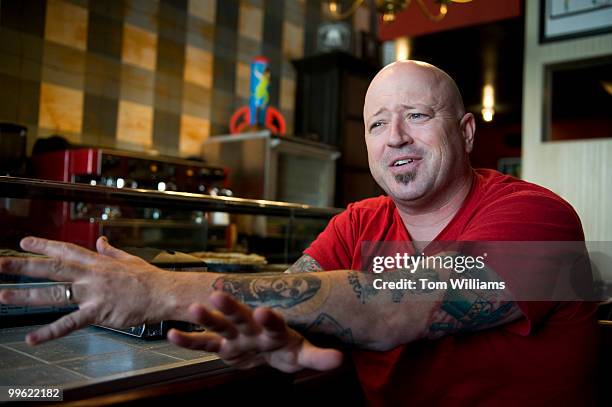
94	361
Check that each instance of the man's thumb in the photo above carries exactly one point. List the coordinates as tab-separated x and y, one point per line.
313	357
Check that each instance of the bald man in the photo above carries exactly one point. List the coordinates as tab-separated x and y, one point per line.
412	346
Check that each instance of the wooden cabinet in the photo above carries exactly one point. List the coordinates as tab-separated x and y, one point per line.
329	108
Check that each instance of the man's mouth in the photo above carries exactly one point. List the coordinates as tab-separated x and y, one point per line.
399	163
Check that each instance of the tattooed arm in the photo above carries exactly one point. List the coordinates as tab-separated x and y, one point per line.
362	310
304	264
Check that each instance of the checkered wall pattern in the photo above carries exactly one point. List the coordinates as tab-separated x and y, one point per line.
145	74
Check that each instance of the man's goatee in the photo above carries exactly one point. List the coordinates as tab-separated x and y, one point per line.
406	177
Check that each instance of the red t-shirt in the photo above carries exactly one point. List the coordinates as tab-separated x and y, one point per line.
546	358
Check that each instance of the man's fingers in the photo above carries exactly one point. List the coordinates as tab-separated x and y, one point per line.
273	323
103	247
196	340
316	358
51	296
238	314
213	321
61	327
56	269
65	251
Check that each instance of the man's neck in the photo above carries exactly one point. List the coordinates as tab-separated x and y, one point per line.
424	222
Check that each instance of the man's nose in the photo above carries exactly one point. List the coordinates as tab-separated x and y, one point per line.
399	133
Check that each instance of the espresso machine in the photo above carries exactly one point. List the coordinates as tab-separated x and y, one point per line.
126	225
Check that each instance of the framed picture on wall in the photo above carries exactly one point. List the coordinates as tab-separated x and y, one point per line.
578	100
567	19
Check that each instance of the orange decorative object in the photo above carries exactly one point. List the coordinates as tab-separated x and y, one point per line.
239	121
275	121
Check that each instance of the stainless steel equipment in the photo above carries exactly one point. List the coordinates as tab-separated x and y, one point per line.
264	166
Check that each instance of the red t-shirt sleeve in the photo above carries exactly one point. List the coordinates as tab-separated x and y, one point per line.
526	216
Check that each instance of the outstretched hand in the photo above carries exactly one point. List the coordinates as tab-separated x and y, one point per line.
111	287
245	338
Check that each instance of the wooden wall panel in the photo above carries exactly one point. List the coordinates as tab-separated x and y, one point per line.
579	171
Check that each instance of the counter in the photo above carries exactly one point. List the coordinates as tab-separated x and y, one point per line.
95	366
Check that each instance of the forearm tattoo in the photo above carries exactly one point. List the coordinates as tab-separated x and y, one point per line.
280	291
362	284
326	324
304	264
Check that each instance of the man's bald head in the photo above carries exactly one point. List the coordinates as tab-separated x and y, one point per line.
418	76
417	133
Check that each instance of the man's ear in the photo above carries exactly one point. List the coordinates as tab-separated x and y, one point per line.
468	128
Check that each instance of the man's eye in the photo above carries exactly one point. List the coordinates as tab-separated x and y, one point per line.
417	116
375	125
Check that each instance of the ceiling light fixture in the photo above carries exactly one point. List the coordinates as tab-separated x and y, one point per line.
389	8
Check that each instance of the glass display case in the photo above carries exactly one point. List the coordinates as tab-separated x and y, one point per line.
137	217
151	223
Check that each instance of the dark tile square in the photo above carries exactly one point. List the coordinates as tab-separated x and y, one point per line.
172	22
9	41
274	9
170	57
104	35
102	86
10	97
80	3
114	9
224	76
180	5
223	106
166	129
10	64
31	70
227	14
226	42
103	75
25	16
100	115
32	47
29	96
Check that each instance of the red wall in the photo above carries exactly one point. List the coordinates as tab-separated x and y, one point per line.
412	22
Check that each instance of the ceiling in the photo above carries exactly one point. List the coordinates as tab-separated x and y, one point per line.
412	22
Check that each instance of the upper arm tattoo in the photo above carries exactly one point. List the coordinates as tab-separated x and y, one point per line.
455	310
304	264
